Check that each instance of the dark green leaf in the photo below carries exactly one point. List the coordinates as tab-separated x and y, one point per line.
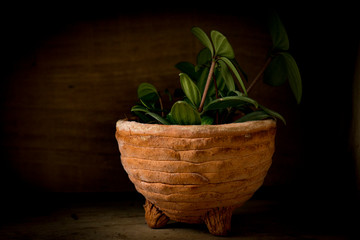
138	108
278	33
186	99
222	45
232	101
148	95
143	117
203	57
202	79
167	92
157	117
149	101
236	73
184	114
237	65
190	89
146	89
187	68
273	113
227	76
293	76
276	73
235	93
220	82
204	39
170	119
253	116
206	120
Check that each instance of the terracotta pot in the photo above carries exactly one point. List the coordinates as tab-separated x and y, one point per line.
198	173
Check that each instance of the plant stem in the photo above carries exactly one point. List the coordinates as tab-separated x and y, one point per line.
162	107
206	89
216	88
258	76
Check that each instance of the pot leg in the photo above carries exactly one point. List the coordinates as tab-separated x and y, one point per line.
218	221
154	217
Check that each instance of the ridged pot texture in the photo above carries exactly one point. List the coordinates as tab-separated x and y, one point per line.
188	170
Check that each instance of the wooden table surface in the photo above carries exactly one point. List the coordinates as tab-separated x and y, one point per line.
95	217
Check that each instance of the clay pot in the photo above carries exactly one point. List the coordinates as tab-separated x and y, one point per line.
198	173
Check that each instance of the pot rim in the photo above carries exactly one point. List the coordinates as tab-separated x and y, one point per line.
136	128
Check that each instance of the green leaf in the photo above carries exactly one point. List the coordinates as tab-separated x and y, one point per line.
170	119
168	93
226	75
220	81
232	101
237	65
273	113
148	101
253	116
202	79
157	117
203	57
190	89
276	73
146	89
282	67
293	76
235	93
222	45
187	68
148	95
206	120
236	73
143	117
184	114
138	108
204	39
278	33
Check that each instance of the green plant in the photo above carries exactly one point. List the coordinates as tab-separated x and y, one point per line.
213	91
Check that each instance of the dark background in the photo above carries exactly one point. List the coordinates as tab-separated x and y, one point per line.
68	73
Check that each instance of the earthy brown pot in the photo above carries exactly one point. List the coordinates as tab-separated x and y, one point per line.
198	173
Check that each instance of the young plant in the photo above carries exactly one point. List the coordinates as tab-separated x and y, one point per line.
213	91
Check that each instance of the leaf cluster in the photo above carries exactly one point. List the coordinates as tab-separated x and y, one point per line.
213	90
282	66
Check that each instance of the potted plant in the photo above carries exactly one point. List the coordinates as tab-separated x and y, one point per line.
207	154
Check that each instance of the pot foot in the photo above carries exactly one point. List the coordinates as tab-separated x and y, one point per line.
218	220
154	217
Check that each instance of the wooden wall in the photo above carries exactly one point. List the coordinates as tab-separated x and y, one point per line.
69	80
